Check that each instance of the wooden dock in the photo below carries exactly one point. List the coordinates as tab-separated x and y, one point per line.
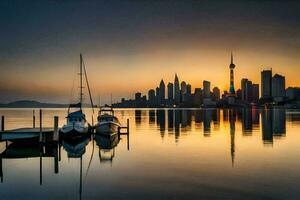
44	134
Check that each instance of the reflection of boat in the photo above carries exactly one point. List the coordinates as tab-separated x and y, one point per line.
108	124
107	146
75	148
77	125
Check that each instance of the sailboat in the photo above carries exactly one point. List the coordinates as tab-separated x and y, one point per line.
77	125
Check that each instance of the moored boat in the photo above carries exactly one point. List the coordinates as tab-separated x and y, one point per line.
77	125
108	123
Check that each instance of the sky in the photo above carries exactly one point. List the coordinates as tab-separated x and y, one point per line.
130	45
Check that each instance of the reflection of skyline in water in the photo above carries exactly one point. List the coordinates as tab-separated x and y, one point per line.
273	124
180	122
169	141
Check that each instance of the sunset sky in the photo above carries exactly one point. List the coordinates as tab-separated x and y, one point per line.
129	46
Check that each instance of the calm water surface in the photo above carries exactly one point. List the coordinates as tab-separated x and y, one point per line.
170	154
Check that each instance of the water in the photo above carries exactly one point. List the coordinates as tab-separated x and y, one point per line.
170	154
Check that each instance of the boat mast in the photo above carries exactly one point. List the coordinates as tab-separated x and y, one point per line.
81	93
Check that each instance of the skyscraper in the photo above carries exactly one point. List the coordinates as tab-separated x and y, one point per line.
206	89
170	91
176	90
188	89
162	92
216	93
255	93
138	96
231	67
278	88
198	97
151	97
183	90
246	90
266	84
157	99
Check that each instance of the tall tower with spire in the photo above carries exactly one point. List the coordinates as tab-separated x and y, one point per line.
231	67
176	90
162	92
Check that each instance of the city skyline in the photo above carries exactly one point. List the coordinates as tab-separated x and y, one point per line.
39	55
271	90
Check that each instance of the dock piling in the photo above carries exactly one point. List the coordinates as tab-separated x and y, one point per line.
2	123
56	131
2	126
33	118
128	126
41	131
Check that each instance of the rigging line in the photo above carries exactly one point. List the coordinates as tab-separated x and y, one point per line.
80	185
72	91
87	83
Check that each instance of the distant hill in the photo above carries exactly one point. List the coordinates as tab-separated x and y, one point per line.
32	104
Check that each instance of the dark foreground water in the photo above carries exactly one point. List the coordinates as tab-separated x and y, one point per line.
170	154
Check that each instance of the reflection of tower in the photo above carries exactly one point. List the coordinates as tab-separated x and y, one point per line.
232	135
279	119
231	66
138	117
177	124
151	117
161	121
267	132
216	119
206	122
170	120
184	118
247	121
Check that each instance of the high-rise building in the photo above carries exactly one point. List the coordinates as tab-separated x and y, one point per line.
162	92
151	97
157	99
246	90
170	91
176	90
198	97
243	89
207	95
266	84
292	93
188	89
249	91
182	91
239	94
278	88
183	87
216	94
138	96
255	93
206	89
